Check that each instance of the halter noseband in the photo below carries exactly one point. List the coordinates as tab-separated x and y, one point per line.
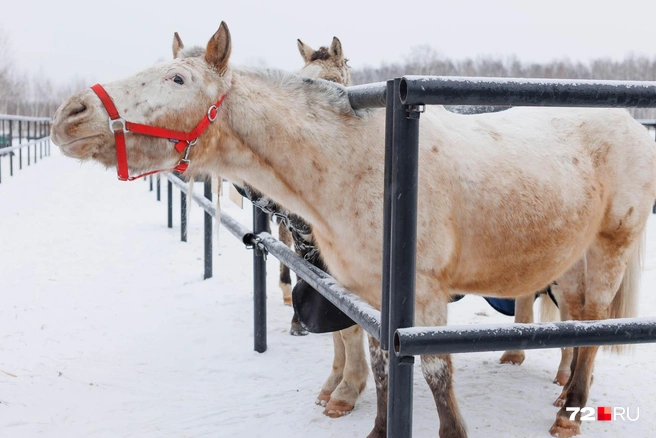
119	126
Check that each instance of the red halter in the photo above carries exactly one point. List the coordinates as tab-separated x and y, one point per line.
185	139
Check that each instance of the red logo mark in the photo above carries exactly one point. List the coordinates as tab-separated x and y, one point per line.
604	413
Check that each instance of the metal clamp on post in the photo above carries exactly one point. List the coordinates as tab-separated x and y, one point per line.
415	110
254	241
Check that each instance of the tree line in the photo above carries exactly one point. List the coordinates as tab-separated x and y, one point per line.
37	95
424	60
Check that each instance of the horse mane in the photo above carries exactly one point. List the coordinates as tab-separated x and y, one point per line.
331	93
328	91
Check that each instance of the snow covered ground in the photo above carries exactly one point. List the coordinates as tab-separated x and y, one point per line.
107	329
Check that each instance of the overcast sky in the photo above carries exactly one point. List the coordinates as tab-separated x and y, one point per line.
107	40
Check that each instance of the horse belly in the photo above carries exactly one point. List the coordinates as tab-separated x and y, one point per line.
522	238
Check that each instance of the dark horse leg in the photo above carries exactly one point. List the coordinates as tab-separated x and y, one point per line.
285	277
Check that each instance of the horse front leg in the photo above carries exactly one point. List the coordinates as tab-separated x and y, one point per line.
523	314
438	369
285	277
354	379
337	372
380	367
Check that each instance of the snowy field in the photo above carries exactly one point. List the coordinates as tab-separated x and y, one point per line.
107	329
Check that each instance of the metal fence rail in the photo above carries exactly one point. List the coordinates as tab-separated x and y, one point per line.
35	131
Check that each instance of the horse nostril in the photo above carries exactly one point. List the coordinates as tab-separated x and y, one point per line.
76	109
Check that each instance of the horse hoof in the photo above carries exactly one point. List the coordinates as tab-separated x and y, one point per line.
563	427
323	398
297	330
336	409
512	357
287	301
561	378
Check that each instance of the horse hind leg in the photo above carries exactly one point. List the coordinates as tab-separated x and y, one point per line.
354	379
523	314
611	289
570	294
566	354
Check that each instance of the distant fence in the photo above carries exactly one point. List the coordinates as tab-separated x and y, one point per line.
404	99
29	136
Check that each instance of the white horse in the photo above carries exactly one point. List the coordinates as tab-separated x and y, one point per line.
518	198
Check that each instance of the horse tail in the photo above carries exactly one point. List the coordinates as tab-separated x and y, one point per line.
625	302
548	310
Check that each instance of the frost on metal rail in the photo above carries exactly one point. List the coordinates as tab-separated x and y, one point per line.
498	337
455	90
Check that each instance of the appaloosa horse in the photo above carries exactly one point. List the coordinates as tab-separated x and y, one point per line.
526	196
348	376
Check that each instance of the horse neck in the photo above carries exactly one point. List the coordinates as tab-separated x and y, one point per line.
291	142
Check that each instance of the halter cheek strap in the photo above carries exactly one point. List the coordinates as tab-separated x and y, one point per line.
119	126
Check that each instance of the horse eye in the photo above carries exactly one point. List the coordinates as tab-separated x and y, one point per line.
178	80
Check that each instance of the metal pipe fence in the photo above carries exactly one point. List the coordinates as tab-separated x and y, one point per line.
404	99
18	134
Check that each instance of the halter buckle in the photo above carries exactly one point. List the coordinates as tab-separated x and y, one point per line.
121	121
209	113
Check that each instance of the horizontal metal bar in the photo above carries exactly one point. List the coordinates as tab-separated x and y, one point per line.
24	118
489	337
237	229
454	90
5	151
352	305
368	95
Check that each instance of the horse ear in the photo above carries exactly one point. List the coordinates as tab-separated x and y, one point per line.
305	51
336	48
177	44
218	49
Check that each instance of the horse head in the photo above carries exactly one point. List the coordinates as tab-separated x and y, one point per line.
326	63
176	96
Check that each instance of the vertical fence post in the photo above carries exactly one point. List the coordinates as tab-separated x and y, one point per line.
150	177
169	189
387	216
208	231
405	153
159	188
183	216
260	222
